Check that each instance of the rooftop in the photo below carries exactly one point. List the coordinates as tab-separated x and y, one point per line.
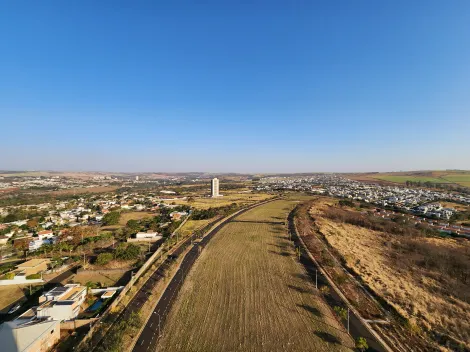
33	263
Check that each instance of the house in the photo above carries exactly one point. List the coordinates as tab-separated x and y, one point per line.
36	244
62	303
3	240
177	215
108	294
33	266
147	235
42	235
29	335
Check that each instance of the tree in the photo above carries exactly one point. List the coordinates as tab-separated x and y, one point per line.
104	258
129	252
133	225
112	218
9	276
78	233
32	224
361	344
21	244
342	313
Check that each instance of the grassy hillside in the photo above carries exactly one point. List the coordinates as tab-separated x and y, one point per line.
424	277
461	178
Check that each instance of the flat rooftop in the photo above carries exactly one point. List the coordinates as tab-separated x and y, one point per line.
32	263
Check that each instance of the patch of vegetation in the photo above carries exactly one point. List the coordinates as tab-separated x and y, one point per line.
104	258
127	252
113	339
9	276
111	218
33	276
202	214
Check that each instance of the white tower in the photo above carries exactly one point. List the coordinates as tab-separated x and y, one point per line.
215	187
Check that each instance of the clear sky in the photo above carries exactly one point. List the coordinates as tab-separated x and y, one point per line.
242	86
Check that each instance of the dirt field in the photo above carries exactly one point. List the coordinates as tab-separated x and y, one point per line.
419	294
105	278
227	199
9	295
134	215
247	292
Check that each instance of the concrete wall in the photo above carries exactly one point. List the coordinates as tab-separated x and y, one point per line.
77	323
20	280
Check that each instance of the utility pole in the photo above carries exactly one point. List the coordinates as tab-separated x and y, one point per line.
348	320
316	279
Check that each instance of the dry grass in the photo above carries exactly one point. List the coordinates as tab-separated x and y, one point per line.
134	215
106	278
415	292
193	225
9	295
247	292
227	199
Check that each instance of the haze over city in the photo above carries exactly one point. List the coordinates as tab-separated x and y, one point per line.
225	87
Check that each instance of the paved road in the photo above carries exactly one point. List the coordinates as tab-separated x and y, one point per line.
142	295
356	326
147	340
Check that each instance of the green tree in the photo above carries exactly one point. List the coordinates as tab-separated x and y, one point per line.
133	225
342	313
361	344
9	276
128	252
104	258
112	218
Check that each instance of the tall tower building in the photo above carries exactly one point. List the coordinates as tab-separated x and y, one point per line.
215	187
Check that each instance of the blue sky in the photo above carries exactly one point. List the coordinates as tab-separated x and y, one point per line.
264	86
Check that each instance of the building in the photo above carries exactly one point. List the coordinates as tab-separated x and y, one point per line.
29	335
46	234
215	187
137	178
33	266
61	303
154	235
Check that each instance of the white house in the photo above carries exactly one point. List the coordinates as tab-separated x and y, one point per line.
154	235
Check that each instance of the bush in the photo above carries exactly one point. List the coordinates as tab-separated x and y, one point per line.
104	258
361	344
325	290
33	277
129	252
9	276
342	313
111	218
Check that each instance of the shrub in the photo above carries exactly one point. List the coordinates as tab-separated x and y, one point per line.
325	290
112	218
33	276
104	258
361	344
129	252
9	276
342	313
